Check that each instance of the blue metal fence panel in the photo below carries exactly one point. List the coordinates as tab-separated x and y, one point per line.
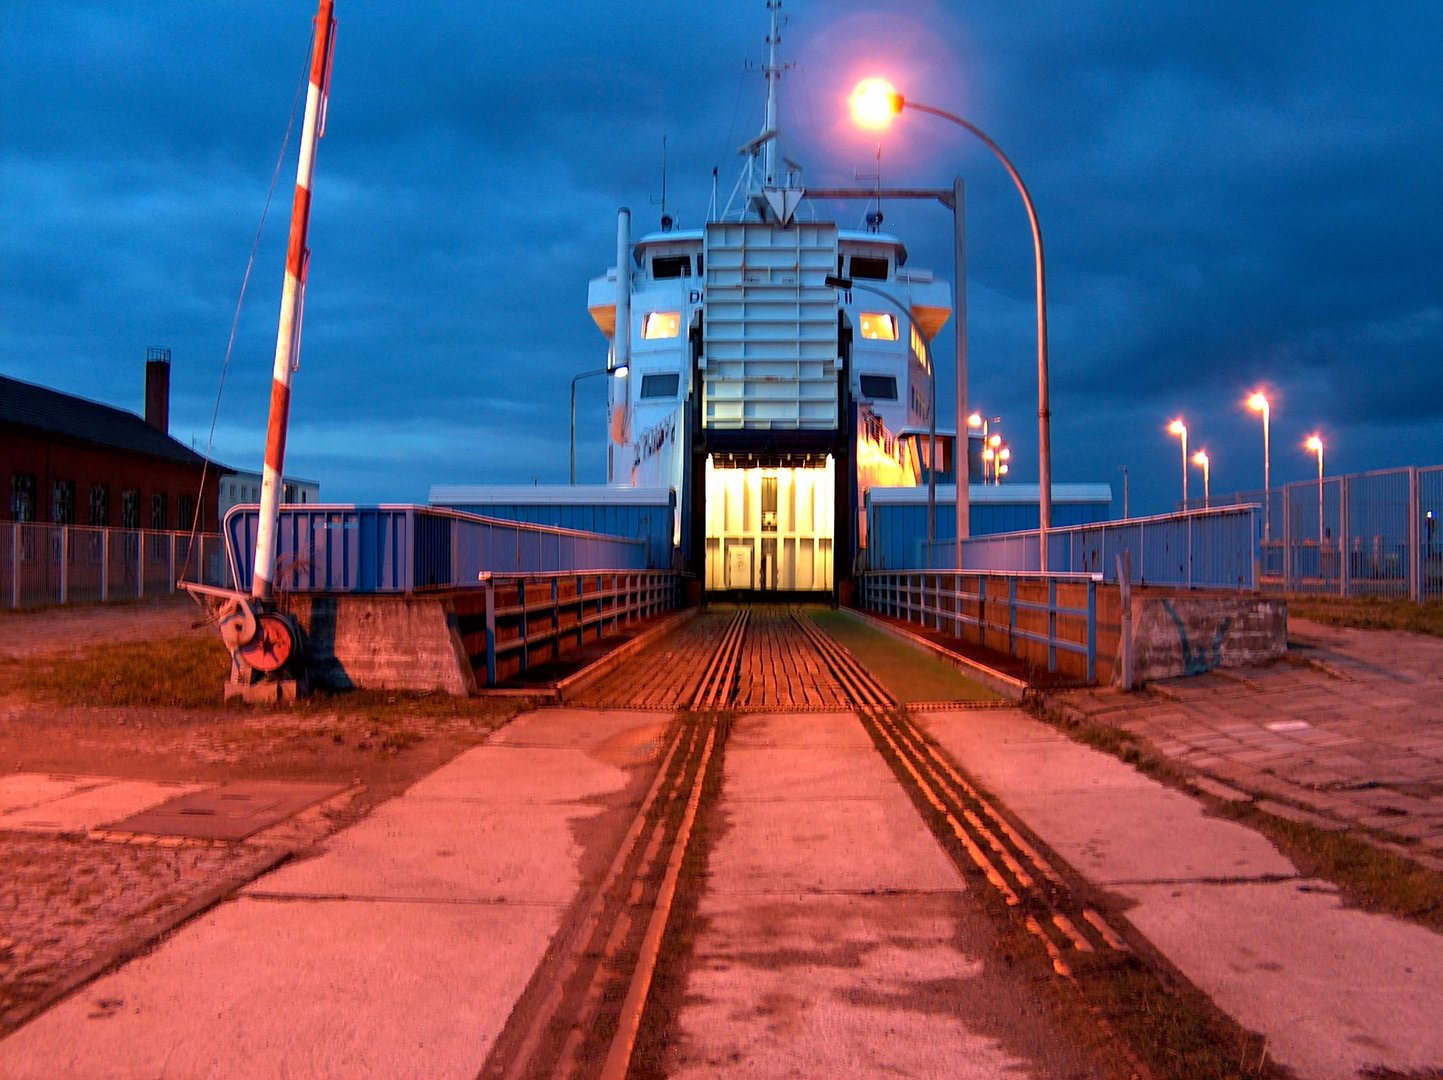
368	549
1202	548
648	520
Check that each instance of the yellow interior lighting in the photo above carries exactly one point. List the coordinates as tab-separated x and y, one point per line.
661	324
879	326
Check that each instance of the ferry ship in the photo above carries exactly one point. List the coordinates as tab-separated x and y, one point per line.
770	368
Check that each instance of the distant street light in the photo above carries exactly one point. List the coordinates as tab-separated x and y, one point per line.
1178	428
1201	459
1259	403
1315	444
874	103
574	381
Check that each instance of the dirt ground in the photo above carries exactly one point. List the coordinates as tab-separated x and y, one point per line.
71	904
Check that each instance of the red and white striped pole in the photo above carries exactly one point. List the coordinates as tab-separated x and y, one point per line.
288	337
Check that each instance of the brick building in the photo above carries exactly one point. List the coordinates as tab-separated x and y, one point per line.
70	461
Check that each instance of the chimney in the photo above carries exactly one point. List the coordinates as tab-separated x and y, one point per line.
157	388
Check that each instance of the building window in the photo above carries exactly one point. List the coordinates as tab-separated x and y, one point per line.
670	266
869	269
22	497
100	505
157	511
185	507
660	386
130	509
62	503
879	387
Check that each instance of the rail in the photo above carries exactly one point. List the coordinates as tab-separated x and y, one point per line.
1030	617
532	619
1211	548
43	564
405	549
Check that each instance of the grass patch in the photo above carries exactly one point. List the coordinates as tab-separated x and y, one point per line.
185	672
190	672
1368	613
1369	877
909	673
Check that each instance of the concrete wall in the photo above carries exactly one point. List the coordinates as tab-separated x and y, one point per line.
1189	633
384	642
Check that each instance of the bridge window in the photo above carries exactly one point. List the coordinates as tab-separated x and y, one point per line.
670	266
868	268
660	386
879	387
879	326
661	324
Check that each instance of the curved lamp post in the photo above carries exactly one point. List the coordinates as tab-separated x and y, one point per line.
847	284
874	103
576	379
1178	428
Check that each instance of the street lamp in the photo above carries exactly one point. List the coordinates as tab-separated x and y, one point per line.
1315	444
1201	459
874	103
1259	403
1178	428
574	381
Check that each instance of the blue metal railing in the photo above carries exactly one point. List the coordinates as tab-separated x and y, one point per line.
534	618
402	549
1028	616
1216	548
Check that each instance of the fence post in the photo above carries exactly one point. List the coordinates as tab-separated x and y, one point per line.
63	578
15	565
1287	544
104	565
1345	542
1052	613
1415	561
1091	630
1124	584
490	631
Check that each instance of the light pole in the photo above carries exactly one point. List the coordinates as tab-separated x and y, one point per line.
1178	428
847	284
576	379
1315	444
1125	514
1200	459
874	103
1258	402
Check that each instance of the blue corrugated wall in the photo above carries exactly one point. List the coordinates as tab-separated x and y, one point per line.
896	531
651	523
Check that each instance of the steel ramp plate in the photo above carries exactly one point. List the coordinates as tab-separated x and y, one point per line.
229	812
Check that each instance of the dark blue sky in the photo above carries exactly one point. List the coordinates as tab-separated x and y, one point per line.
1233	195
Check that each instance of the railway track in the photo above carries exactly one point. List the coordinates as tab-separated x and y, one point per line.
585	1010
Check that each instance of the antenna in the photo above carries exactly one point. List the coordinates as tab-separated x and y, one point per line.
874	219
665	219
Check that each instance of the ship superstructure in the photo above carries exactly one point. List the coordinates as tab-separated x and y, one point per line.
766	367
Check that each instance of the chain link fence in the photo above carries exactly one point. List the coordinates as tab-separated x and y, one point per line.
1373	534
43	564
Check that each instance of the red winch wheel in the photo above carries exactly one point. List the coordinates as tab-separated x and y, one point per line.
273	645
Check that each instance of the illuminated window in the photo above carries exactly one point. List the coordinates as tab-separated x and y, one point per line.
879	326
661	324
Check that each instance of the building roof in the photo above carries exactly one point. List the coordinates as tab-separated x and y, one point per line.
49	412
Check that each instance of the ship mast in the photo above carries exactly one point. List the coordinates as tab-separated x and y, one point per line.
288	335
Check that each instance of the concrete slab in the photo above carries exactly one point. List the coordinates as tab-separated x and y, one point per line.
586	729
20	791
1335	990
320	990
1103	817
799	730
521	774
414	849
228	812
42	803
843	986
